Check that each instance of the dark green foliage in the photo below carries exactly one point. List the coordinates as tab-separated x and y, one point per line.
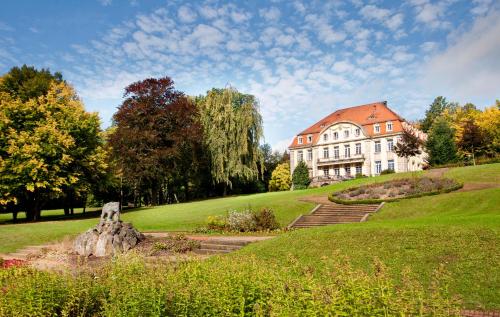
472	139
436	109
440	143
28	82
387	171
266	220
300	176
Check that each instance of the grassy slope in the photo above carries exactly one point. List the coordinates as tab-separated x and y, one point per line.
178	217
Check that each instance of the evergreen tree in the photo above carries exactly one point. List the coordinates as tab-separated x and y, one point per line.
438	106
440	143
300	177
280	178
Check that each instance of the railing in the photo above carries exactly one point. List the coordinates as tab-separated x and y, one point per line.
331	178
341	158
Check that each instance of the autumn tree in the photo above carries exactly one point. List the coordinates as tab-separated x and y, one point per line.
409	145
488	122
232	130
280	178
48	144
156	139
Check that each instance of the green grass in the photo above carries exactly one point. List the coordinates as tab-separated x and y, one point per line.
458	230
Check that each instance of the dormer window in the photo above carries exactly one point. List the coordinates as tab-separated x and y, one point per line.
299	140
325	137
346	134
388	126
309	138
357	131
376	128
335	135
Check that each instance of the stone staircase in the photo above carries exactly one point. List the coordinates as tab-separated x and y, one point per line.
24	253
223	245
329	214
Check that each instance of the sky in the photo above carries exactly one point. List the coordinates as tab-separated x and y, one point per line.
302	59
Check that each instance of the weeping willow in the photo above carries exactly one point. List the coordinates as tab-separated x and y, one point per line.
232	128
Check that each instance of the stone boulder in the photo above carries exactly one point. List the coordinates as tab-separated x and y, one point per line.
111	236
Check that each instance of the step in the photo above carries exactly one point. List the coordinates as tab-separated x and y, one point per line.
346	213
210	251
346	209
226	242
218	246
319	218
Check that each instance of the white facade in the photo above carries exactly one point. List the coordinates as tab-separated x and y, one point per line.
344	149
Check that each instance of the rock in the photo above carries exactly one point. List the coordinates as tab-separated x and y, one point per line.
110	237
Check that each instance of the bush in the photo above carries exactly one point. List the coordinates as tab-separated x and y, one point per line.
280	178
240	285
216	223
266	220
300	177
387	171
177	243
243	221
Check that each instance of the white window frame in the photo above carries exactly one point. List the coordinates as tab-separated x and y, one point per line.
336	152
325	137
347	150
389	163
300	140
390	145
309	138
358	148
336	171
357	132
326	152
378	167
347	170
376	128
309	155
388	126
346	134
335	135
326	171
300	156
378	148
359	169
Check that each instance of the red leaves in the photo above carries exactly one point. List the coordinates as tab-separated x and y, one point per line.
12	263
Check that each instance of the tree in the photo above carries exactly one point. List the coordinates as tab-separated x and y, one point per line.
438	106
472	139
232	127
156	140
27	82
300	177
47	145
489	123
440	143
271	161
409	145
280	178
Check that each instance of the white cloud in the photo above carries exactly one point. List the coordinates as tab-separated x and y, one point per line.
208	12
105	2
432	15
343	66
481	7
429	46
374	12
270	14
469	68
186	14
325	31
395	21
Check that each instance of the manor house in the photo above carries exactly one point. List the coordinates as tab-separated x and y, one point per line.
355	140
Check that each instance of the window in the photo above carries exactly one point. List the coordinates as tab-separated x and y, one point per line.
358	148
390	145
325	152
347	150
300	156
300	140
348	170
388	126
309	138
336	152
359	169
378	147
325	137
346	134
376	128
390	165
309	155
357	131
336	171
335	135
326	172
378	167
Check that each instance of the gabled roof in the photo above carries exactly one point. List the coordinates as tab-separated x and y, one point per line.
363	115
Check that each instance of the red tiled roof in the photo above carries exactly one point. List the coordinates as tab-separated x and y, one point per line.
363	115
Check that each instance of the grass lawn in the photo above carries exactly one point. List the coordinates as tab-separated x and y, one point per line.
459	230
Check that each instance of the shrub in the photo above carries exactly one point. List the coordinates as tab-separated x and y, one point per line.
280	178
300	177
360	175
266	220
216	223
243	221
387	171
177	243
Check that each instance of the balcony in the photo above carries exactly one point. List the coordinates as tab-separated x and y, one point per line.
341	159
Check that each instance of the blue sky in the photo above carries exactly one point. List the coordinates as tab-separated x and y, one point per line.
302	59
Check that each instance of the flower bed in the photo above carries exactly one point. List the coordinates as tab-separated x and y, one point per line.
4	264
241	221
395	190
